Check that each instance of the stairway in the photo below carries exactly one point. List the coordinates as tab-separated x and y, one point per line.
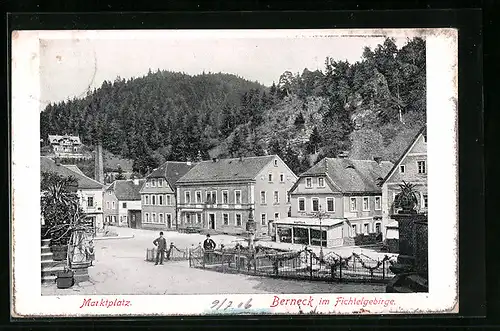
50	268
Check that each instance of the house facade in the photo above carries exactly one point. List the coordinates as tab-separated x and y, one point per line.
122	203
410	168
89	191
342	189
218	195
66	146
158	196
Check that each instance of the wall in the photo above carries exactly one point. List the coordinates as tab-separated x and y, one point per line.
110	197
262	183
123	212
149	209
361	217
96	210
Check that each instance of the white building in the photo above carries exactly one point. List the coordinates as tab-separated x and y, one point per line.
122	203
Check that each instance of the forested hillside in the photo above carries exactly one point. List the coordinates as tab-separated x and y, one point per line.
370	108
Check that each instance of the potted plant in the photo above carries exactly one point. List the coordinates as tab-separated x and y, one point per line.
65	278
406	200
59	207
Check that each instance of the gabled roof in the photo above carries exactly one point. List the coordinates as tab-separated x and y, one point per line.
84	182
126	189
236	169
56	138
422	131
172	171
73	168
351	176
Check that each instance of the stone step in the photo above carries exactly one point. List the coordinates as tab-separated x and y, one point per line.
45	242
52	271
49	279
46	256
47	264
46	250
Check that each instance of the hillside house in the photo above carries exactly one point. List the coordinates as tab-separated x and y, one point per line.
410	168
345	191
158	196
67	146
122	203
89	191
218	195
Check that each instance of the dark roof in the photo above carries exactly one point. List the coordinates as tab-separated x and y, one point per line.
423	131
236	169
126	189
84	182
74	168
352	176
171	171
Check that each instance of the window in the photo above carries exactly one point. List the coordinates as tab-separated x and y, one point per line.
160	200
212	197
421	167
282	178
315	204
161	218
153	183
263	219
153	200
109	192
146	199
125	219
330	204
275	163
121	219
426	203
198	218
378	203
276	197
237	197
366	228
225	197
263	197
113	203
169	220
425	138
198	196
402	169
187	197
321	182
169	200
160	182
147	183
366	203
124	205
378	227
355	229
308	182
302	204
90	202
107	204
270	177
225	218
238	219
276	216
114	219
146	217
153	217
288	198
353	204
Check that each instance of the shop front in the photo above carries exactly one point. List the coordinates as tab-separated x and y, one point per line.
308	231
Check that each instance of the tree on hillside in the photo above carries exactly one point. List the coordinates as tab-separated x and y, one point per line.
314	141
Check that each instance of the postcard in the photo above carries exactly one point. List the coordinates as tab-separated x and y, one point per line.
206	172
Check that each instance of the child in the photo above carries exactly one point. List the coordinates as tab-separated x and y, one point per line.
90	252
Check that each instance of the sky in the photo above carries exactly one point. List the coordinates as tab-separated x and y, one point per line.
72	64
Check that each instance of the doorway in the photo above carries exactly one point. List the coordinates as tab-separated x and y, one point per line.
211	221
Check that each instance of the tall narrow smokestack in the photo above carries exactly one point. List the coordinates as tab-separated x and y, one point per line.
99	165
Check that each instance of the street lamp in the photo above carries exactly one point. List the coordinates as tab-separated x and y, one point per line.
320	215
251	227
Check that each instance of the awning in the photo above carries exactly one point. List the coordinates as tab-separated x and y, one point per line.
296	221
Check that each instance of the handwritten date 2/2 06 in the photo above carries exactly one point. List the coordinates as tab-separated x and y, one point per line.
225	304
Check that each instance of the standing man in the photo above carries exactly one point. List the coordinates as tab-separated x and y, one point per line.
161	245
208	246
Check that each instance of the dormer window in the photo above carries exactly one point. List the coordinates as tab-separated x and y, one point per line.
402	169
309	182
153	183
275	163
425	138
321	182
160	182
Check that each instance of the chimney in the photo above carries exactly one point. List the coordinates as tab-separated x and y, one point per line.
188	163
136	181
377	159
99	166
